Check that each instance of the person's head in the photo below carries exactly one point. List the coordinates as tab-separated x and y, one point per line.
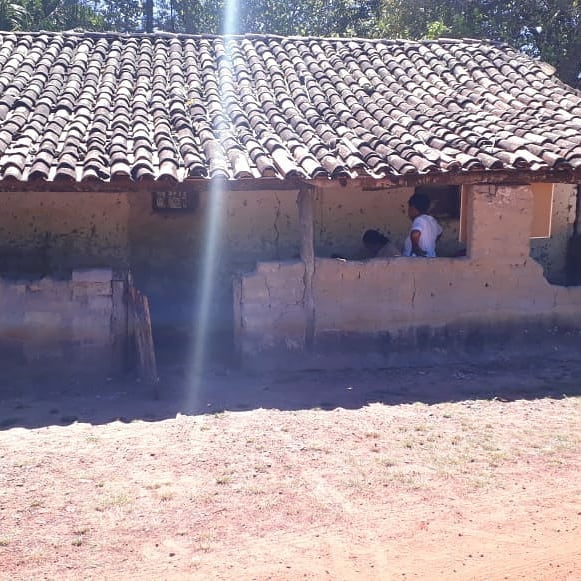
418	204
374	241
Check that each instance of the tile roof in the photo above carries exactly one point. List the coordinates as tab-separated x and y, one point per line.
94	106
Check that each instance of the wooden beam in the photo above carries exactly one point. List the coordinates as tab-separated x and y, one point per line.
126	184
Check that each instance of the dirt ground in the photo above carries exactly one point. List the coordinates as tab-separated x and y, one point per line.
455	472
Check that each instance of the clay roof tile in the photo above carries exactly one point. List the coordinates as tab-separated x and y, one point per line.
176	106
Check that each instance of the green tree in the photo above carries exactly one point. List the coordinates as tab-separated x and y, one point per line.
301	17
58	15
13	16
547	29
122	16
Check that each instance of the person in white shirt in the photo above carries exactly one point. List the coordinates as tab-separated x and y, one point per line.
425	230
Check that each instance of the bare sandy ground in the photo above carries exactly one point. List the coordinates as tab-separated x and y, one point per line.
456	472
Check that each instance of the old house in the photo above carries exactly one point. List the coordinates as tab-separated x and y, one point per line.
132	152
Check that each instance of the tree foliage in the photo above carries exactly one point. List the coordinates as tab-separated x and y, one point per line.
547	29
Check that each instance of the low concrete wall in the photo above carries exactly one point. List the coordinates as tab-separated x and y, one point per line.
498	291
76	326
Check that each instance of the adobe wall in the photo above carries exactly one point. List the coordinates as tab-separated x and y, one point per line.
496	285
52	233
48	233
167	250
70	326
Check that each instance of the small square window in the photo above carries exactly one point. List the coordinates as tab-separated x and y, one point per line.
174	201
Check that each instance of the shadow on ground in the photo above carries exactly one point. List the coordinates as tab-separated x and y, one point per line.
47	402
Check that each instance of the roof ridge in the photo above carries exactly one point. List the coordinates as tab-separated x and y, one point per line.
250	36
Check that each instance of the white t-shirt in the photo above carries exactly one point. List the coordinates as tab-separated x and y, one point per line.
429	229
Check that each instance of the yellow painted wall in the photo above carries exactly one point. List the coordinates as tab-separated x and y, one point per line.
53	232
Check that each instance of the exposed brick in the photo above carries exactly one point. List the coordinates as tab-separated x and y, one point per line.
91	289
93	275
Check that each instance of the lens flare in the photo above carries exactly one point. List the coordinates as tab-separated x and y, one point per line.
211	253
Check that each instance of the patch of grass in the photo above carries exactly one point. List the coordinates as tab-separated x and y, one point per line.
114	500
315	448
81	531
262	467
157	485
25	464
92	439
254	490
433	438
357	482
412	480
373	435
387	462
205	541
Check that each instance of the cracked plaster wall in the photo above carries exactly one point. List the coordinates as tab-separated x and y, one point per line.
260	225
167	251
54	232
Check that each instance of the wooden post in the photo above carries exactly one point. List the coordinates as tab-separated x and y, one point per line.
306	203
138	307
